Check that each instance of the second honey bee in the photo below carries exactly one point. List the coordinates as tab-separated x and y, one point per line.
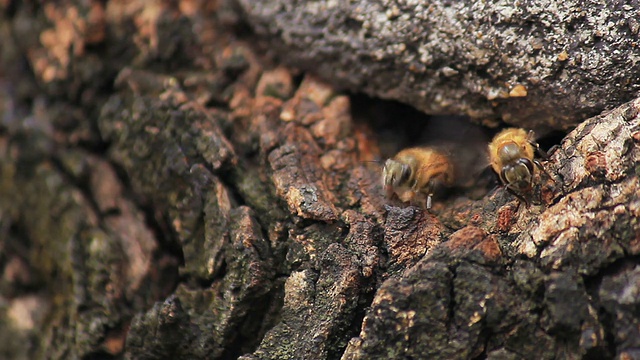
511	153
415	173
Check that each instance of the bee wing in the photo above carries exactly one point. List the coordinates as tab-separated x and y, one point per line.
464	142
470	160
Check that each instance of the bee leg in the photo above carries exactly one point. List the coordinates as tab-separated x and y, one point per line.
552	149
416	199
543	154
539	165
517	195
531	183
428	204
555	182
388	191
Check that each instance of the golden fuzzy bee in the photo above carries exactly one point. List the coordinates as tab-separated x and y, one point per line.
511	153
415	173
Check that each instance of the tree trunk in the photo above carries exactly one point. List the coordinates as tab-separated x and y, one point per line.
540	65
169	189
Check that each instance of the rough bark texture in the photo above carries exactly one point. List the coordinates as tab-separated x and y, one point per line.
537	64
168	192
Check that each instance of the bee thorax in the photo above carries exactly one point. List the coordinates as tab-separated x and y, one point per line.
509	152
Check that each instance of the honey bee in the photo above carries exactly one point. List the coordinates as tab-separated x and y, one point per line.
511	153
415	173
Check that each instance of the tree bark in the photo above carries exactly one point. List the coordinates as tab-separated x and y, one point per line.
167	190
540	65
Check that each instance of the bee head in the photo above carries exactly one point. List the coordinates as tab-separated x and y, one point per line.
395	173
518	175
